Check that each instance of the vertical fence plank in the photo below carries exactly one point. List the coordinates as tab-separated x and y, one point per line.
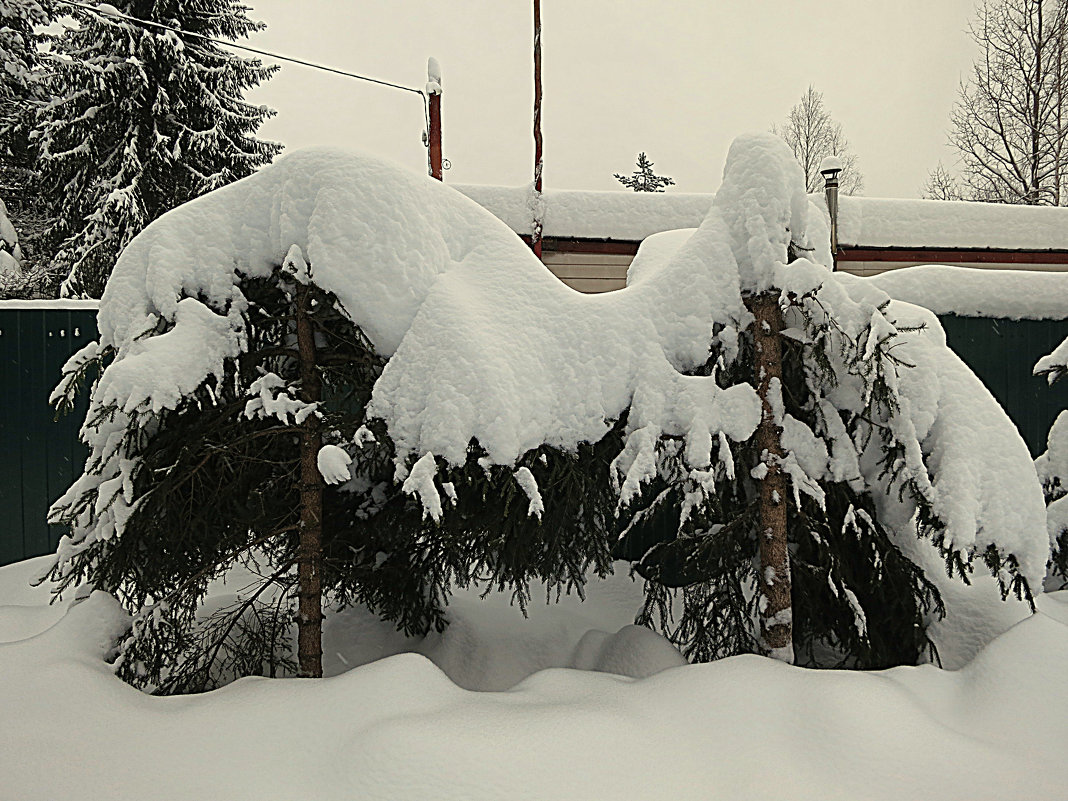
1002	354
32	406
59	464
10	441
83	331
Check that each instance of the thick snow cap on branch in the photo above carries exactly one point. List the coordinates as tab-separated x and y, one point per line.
376	235
763	204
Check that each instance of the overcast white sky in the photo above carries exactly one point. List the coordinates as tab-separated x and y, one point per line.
676	79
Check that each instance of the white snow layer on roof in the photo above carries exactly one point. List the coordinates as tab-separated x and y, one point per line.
404	728
893	222
973	292
862	221
629	216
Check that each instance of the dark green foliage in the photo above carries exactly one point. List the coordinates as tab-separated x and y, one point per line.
142	121
1054	488
485	534
22	93
217	488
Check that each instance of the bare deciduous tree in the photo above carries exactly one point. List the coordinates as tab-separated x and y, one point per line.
1007	125
812	135
942	185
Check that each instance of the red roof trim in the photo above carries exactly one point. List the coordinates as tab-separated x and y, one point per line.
953	255
847	253
558	244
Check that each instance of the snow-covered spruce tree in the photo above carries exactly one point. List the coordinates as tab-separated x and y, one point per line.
224	471
215	423
1052	467
877	464
20	74
142	120
644	179
787	527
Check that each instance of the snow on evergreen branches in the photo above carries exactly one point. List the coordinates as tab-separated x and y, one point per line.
638	403
1052	468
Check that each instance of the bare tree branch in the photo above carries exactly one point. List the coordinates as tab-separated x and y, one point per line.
1007	125
812	135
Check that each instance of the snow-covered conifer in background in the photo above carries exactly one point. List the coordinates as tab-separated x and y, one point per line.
644	179
20	77
141	121
22	90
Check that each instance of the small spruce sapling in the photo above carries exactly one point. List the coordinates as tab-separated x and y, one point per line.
226	478
644	179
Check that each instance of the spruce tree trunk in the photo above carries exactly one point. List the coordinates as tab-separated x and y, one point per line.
310	549
776	612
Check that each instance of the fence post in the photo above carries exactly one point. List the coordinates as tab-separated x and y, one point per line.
433	90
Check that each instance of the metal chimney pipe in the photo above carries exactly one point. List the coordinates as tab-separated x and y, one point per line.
829	169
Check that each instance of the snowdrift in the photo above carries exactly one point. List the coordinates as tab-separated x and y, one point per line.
399	728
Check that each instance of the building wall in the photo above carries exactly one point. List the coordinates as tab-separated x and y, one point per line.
589	272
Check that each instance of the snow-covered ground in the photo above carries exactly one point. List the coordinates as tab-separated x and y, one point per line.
473	714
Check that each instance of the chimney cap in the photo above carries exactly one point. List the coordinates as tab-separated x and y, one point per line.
830	166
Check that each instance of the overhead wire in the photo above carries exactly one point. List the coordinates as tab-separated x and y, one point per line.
148	24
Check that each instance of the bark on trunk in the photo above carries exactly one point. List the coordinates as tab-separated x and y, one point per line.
310	549
776	613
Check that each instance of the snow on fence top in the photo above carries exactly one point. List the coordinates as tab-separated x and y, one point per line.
967	292
862	221
59	304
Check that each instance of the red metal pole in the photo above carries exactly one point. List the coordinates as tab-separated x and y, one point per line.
433	89
535	238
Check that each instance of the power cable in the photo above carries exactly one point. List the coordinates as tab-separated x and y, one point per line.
277	56
148	24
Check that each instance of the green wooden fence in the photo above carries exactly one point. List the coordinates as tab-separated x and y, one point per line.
1002	353
40	456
